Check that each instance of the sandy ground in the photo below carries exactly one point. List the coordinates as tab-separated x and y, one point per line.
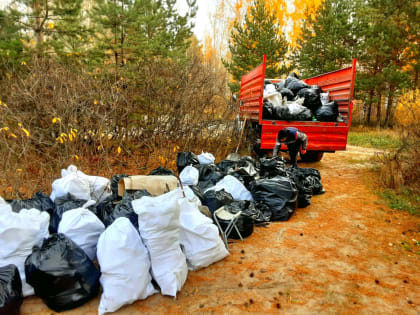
341	255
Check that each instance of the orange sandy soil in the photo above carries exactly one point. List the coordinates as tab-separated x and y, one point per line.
340	255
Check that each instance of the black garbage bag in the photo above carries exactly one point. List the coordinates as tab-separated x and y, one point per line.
272	166
317	89
282	113
227	165
260	212
162	171
11	296
247	170
327	112
287	93
109	210
295	85
61	273
312	99
304	115
245	223
63	204
216	199
209	172
279	194
114	185
308	183
301	93
198	192
184	159
268	111
279	85
39	201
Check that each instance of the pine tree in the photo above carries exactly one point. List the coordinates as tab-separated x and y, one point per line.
257	36
329	40
57	26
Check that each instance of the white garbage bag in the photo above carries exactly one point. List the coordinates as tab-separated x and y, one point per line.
206	158
189	175
199	237
159	229
19	232
269	89
125	266
83	227
191	196
325	98
295	108
234	187
80	185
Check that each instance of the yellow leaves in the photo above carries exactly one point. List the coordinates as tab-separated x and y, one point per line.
76	157
23	63
162	159
56	120
26	132
119	150
19	170
4	129
176	148
12	135
64	136
51	25
95	102
3	104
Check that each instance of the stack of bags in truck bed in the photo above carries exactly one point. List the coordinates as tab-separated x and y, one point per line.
125	232
293	100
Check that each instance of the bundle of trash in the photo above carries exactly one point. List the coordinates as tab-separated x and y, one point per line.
125	232
294	100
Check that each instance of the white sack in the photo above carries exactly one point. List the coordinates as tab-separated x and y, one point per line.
83	227
199	237
269	89
274	98
125	266
19	232
80	185
234	187
325	98
206	158
159	229
295	108
189	175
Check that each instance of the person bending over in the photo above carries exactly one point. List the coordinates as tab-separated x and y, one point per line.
295	140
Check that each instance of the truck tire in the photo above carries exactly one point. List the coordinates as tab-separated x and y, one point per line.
312	156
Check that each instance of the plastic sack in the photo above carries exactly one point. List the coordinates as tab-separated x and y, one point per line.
83	227
234	187
206	158
80	185
287	93
294	84
11	297
268	111
199	237
269	89
125	265
272	167
245	223
39	201
19	232
226	165
159	229
301	93
274	98
184	159
325	98
109	210
64	204
279	85
328	112
279	193
214	199
61	273
312	99
161	171
189	175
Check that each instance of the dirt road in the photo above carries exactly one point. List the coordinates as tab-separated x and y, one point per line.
344	254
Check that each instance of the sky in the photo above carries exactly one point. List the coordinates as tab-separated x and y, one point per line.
202	20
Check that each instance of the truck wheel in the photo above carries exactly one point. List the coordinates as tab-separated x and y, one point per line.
312	156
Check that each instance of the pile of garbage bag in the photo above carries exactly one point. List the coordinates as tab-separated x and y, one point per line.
294	100
143	240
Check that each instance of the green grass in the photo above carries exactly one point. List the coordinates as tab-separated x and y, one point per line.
373	138
403	199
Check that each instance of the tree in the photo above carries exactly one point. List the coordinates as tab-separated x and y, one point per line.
329	38
258	35
56	25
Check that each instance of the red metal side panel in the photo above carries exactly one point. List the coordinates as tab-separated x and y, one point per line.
321	136
251	94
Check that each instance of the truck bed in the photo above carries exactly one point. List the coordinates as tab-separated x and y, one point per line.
322	136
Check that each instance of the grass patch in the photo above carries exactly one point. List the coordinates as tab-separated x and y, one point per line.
403	199
373	138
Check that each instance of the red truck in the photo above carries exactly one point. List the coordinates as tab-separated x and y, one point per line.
322	136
